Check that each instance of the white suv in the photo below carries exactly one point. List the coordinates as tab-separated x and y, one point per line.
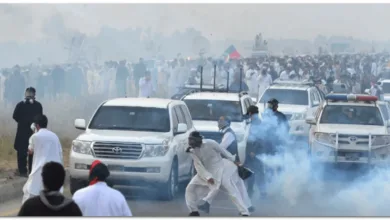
350	129
142	140
296	100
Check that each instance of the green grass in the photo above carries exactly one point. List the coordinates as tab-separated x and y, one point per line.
61	114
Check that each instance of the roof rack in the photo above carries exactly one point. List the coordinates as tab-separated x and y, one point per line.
289	82
201	87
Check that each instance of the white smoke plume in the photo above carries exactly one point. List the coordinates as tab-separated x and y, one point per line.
304	188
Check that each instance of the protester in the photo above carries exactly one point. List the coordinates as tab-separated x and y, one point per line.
146	88
98	199
139	72
50	201
24	113
46	147
212	172
229	142
254	148
238	83
122	74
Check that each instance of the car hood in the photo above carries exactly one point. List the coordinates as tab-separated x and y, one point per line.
351	129
124	136
212	126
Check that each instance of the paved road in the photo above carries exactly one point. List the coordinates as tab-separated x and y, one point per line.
143	204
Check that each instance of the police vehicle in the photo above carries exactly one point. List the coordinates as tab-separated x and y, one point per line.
207	103
296	101
350	129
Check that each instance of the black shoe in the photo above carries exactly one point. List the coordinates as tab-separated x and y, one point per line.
245	215
205	207
194	214
251	209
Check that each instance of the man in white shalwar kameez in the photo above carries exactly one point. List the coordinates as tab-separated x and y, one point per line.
46	147
213	172
251	80
98	199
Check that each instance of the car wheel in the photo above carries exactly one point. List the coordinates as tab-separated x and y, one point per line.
75	185
169	189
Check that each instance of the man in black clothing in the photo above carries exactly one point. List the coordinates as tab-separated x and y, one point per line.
273	104
50	201
24	113
121	78
139	72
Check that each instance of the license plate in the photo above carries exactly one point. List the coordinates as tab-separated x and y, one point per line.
116	167
352	156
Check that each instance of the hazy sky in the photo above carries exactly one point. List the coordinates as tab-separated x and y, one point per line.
216	21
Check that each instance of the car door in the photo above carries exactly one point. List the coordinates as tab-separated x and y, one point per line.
181	140
314	127
314	102
187	159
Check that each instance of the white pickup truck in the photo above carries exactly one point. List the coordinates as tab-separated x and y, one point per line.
350	129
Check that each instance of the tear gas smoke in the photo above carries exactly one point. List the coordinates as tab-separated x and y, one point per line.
306	188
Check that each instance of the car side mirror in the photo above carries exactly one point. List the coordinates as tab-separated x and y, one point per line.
80	124
367	91
181	128
311	121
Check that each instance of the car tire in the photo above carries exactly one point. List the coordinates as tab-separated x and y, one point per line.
75	184
169	189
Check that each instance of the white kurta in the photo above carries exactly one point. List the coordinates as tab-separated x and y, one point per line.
264	82
101	200
210	164
252	82
47	148
145	88
284	76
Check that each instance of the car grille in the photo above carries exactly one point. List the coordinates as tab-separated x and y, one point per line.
216	136
353	139
117	150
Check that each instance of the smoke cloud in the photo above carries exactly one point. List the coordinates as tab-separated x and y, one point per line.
305	188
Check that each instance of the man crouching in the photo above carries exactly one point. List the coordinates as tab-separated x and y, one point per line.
213	171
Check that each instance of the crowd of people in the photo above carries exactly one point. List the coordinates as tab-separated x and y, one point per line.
40	153
163	78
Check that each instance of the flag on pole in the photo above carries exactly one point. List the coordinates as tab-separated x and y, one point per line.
231	53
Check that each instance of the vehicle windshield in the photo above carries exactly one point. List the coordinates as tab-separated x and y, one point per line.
385	87
351	115
131	118
212	110
286	96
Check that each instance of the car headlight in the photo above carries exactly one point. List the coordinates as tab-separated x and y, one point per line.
82	147
155	150
298	116
380	140
324	138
